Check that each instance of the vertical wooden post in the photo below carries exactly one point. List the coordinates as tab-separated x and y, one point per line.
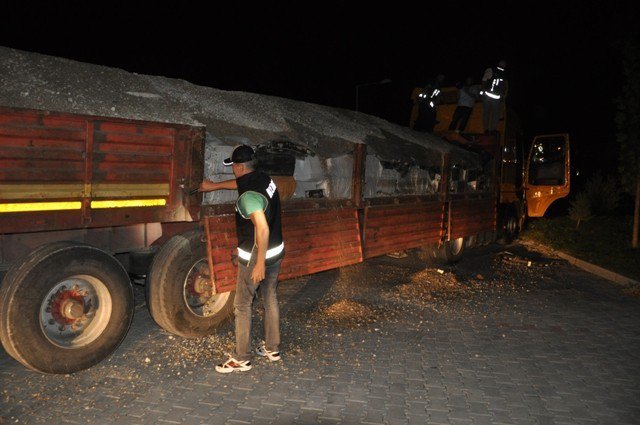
444	195
636	216
357	178
88	172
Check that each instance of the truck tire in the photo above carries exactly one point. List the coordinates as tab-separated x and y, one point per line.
510	224
448	252
178	289
452	251
65	307
470	242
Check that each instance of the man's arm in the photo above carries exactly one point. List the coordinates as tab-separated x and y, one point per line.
261	228
208	185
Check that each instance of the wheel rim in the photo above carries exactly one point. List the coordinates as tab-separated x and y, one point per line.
471	241
199	294
75	311
511	225
456	246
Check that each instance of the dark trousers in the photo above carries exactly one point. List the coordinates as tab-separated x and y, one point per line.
460	116
426	119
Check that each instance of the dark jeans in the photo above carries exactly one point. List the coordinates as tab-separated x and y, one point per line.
460	116
490	113
426	119
245	293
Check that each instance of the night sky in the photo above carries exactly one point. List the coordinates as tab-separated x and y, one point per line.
563	67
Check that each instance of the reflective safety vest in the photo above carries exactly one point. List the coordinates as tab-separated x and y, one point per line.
495	86
261	183
429	96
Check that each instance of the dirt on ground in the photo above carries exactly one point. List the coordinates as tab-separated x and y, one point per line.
317	309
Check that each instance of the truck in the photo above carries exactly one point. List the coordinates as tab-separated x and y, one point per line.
530	175
90	200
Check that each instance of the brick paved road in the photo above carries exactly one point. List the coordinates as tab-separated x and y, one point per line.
491	340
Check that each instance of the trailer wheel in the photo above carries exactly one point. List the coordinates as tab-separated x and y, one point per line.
488	237
470	242
510	225
452	251
178	289
427	253
448	252
65	307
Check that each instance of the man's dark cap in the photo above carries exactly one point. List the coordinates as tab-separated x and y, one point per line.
242	153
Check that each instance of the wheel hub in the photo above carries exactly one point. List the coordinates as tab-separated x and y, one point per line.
72	309
67	306
199	292
75	311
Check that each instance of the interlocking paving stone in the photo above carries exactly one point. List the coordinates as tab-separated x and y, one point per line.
561	347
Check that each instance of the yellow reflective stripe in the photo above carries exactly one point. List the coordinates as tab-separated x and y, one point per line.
128	203
41	191
113	190
79	190
40	206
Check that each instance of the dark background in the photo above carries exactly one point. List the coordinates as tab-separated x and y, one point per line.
563	68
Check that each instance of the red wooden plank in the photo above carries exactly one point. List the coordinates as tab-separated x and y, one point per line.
40	154
44	175
306	244
62	122
133	147
129	157
314	216
126	176
135	128
40	221
404	221
137	167
296	234
400	210
40	143
310	268
403	242
42	133
375	237
132	139
18	119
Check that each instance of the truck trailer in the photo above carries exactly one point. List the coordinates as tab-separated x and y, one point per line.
89	199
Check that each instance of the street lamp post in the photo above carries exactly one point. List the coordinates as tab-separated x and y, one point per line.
385	81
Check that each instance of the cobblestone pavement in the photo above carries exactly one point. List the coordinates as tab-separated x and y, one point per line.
505	336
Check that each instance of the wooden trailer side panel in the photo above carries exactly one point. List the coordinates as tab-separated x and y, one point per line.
42	171
315	240
389	228
64	171
469	217
318	240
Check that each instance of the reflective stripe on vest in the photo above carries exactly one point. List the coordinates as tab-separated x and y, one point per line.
270	252
492	96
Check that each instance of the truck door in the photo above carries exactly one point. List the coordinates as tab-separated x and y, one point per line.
547	173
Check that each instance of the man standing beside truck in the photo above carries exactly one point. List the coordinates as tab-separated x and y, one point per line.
260	253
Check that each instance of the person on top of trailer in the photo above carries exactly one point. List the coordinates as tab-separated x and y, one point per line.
468	93
427	101
494	90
